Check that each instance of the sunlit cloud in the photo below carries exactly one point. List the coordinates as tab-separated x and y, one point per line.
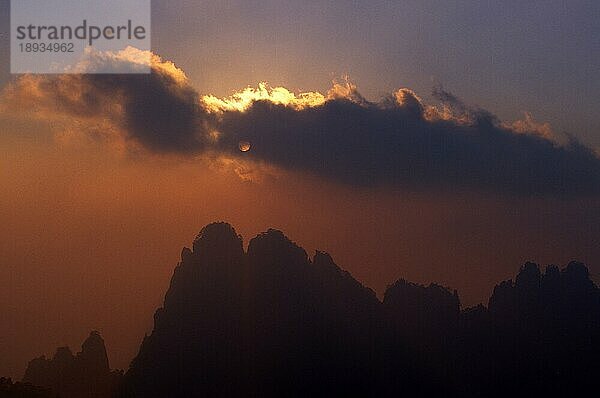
242	100
528	125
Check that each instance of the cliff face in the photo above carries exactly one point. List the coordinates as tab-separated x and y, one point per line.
272	322
85	375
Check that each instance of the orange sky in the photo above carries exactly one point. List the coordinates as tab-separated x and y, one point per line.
90	236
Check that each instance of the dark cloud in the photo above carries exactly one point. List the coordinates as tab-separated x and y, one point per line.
447	97
160	110
398	141
163	115
382	144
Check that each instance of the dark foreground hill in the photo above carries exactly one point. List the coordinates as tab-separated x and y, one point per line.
271	322
84	375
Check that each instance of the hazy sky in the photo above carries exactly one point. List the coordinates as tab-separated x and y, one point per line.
90	232
506	56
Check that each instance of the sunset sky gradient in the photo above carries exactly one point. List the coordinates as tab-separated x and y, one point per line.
94	211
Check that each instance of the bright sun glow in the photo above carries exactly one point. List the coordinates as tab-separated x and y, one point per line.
242	100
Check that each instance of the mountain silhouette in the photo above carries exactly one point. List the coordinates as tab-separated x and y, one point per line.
85	375
270	321
546	330
266	322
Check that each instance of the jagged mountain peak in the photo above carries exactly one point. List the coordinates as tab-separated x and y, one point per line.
85	375
93	352
273	246
63	354
216	238
271	322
